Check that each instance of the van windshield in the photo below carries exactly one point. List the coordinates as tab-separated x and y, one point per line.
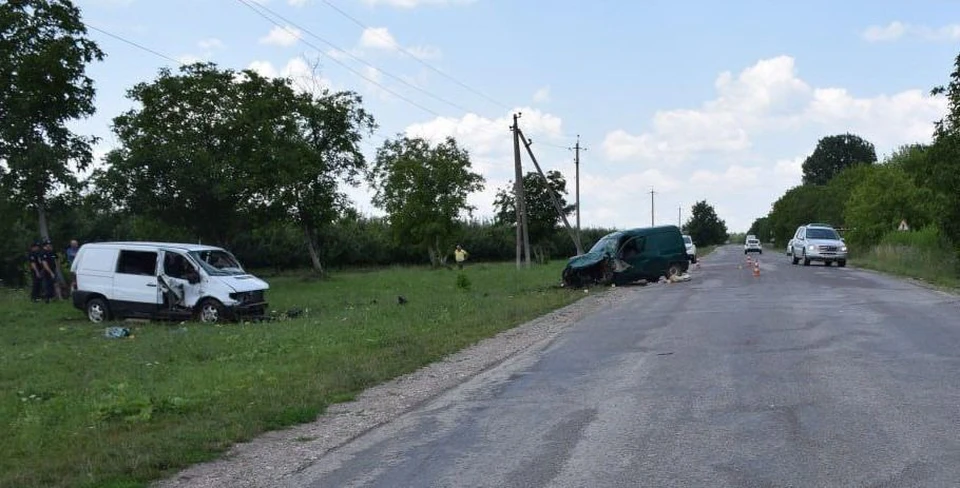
217	262
607	244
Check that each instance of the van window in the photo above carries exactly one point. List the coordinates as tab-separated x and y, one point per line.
137	263
665	243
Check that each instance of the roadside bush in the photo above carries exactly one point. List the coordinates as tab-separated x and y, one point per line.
923	254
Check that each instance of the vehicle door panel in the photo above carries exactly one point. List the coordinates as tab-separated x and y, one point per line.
177	271
135	281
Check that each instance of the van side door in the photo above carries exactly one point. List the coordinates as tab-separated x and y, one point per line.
135	282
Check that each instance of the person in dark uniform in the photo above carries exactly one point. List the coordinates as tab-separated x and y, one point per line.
36	271
48	261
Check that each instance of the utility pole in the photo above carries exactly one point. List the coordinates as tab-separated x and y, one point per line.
553	197
651	206
680	217
523	237
576	164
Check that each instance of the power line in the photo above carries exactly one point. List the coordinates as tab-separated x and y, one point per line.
134	44
257	10
415	57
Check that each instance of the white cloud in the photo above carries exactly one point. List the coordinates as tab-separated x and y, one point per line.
415	3
897	30
210	44
425	52
281	36
380	39
189	59
298	70
297	3
377	38
542	95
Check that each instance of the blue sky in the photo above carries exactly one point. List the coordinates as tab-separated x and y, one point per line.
704	100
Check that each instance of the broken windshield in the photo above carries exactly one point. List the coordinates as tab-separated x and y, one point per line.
217	262
607	244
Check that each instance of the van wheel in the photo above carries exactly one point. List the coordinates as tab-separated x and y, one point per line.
97	310
210	311
674	270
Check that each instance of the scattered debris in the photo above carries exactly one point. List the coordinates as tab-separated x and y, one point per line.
116	332
401	300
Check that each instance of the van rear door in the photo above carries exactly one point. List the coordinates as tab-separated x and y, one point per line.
135	283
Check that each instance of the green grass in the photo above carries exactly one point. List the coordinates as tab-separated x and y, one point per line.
80	409
919	254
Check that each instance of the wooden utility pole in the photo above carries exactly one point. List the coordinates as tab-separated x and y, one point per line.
576	165
553	197
523	237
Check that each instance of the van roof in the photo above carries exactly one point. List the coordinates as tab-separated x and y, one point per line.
147	244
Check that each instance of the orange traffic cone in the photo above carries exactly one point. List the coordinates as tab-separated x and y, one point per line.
756	269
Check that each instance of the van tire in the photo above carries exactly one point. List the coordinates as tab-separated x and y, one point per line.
210	311
675	269
97	310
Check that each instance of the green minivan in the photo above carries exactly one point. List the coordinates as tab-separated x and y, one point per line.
626	256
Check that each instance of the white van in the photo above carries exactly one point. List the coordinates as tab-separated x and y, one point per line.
163	281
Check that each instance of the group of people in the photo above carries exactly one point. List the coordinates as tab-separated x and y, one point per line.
48	281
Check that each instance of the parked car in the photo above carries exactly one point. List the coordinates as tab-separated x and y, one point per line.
628	256
163	280
790	247
818	242
752	245
691	248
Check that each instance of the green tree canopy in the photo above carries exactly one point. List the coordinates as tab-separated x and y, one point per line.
424	189
704	226
542	216
884	198
209	148
835	153
44	52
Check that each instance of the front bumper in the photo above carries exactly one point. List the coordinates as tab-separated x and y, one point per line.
818	255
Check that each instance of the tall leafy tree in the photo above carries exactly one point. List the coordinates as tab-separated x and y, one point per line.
941	170
884	198
424	189
762	229
208	149
542	216
835	153
704	226
44	52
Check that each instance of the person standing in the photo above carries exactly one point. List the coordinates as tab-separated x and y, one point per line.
48	263
36	271
460	254
71	254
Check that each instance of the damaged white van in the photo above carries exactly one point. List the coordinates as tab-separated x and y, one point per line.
159	280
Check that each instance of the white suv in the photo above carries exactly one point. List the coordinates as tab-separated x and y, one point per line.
752	245
818	242
691	248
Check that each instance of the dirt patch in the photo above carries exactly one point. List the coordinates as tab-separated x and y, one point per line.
274	456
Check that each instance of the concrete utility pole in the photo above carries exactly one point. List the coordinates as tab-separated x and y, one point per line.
553	197
651	206
576	164
680	217
523	237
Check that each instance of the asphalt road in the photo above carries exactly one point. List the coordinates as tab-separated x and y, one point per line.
803	376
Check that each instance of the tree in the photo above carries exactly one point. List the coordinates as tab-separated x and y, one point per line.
44	52
424	189
542	216
800	205
762	229
835	153
704	226
941	171
209	149
884	198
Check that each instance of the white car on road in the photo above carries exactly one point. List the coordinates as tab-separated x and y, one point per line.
691	248
752	245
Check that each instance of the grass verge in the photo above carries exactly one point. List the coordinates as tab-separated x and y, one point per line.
922	254
80	409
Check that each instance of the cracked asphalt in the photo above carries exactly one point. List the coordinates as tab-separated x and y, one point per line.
803	376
